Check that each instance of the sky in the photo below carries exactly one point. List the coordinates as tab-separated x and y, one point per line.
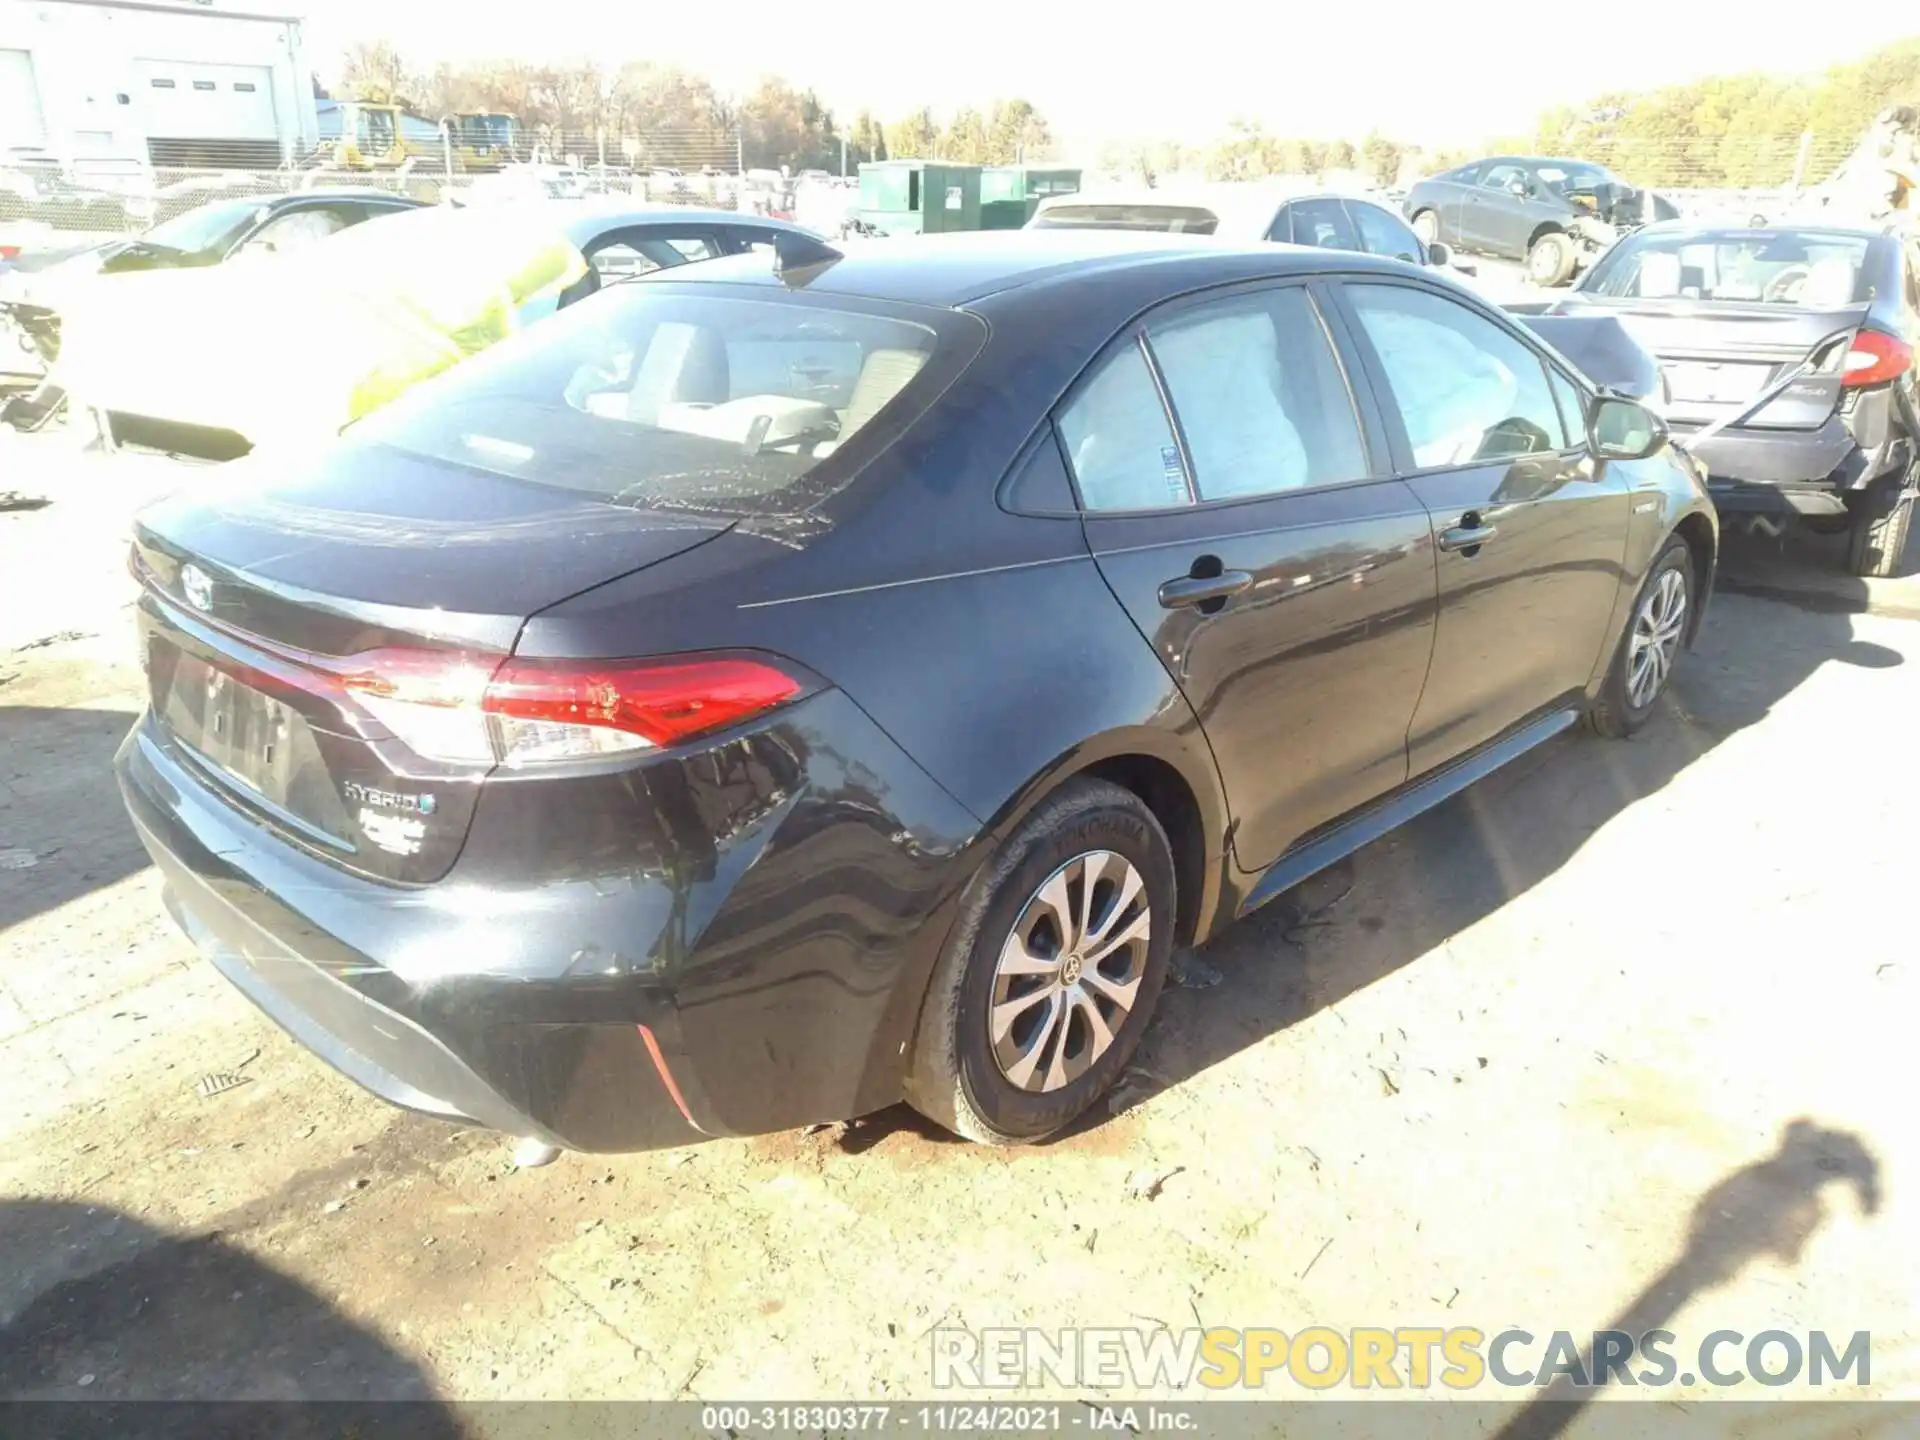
1421	70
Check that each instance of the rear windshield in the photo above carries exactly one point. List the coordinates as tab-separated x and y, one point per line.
646	397
206	227
1769	267
1177	219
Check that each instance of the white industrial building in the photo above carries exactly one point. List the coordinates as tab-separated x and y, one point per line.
157	83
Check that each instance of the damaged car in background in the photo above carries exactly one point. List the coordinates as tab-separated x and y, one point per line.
1557	216
1788	357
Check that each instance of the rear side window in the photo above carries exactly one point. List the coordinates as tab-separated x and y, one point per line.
1260	398
682	400
1119	441
1466	390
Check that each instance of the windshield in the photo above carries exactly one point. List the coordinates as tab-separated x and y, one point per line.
1769	267
648	398
208	227
1179	219
489	129
1562	178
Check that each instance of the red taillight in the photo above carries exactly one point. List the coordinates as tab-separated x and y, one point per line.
480	709
661	703
1876	357
9	252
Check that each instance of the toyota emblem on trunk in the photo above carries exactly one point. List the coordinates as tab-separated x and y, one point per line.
197	586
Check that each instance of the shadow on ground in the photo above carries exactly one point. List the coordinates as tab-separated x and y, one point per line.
1767	1210
1809	570
1481	850
97	1307
63	830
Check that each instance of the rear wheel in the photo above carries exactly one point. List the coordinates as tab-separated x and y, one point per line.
1877	537
1656	633
1052	972
1550	259
1426	225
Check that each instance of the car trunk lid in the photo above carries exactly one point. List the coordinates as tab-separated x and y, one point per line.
1718	357
265	609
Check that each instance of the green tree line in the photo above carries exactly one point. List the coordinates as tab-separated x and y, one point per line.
1739	131
644	113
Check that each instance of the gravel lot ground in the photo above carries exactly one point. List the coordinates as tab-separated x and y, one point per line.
1622	1034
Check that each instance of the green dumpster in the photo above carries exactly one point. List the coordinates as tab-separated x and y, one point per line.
919	197
1009	194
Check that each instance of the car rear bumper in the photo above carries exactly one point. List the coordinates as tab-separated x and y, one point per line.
1790	472
583	1084
770	983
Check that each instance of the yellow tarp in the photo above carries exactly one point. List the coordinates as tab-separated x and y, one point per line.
292	347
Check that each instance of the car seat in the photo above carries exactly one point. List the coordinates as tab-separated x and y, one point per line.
683	363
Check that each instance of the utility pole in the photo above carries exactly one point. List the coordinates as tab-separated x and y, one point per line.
1801	158
843	157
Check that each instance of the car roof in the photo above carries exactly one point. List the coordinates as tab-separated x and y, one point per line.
1245	210
341	192
952	271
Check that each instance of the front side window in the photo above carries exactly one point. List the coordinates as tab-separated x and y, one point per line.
1323	223
1381	234
1259	395
1502	177
1466	390
1573	406
287	234
654	398
1561	179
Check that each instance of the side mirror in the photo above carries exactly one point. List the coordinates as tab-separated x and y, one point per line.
1518	187
1623	429
1439	254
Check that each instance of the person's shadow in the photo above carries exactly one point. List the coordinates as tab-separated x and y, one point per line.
145	1330
1766	1210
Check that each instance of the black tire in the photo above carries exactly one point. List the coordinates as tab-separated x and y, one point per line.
954	1076
1426	224
1876	542
1614	712
1551	259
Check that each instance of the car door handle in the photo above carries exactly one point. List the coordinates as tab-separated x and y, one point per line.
1200	589
1468	536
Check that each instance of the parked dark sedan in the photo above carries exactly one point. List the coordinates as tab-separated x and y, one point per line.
796	683
1556	215
1243	213
1788	357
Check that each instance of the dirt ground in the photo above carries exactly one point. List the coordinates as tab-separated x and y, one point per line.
1623	1034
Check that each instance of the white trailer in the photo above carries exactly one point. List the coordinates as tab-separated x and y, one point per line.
152	82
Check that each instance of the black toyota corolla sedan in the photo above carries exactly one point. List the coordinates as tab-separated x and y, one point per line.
754	699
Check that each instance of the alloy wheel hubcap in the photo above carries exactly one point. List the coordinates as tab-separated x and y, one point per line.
1069	972
1656	638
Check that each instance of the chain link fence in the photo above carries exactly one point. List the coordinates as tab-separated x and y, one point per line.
112	197
694	167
